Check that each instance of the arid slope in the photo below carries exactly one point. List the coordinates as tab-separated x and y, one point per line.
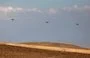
10	51
54	44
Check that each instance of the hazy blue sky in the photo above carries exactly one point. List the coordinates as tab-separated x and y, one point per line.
30	17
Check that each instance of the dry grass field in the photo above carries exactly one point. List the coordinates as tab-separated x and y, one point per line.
10	51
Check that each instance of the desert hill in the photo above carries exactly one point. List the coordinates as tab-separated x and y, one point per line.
8	50
54	44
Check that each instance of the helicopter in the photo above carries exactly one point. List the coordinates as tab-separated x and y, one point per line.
12	19
46	22
77	24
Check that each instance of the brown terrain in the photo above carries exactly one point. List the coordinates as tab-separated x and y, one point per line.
53	44
42	50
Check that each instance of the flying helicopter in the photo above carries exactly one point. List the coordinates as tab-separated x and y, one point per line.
77	24
12	19
46	22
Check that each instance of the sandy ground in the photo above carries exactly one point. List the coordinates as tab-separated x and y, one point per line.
10	51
